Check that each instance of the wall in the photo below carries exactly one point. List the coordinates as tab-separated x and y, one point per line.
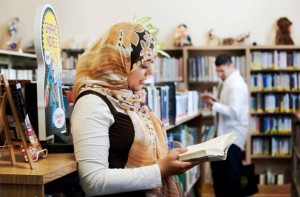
83	21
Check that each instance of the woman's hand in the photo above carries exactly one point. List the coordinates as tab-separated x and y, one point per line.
170	165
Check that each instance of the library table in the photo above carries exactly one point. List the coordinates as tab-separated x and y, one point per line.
21	181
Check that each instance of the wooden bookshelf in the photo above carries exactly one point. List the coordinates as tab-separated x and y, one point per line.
201	60
262	163
18	65
278	163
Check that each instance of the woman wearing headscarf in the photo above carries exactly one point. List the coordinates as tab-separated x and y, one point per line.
119	144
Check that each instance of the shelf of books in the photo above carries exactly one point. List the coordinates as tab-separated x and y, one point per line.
272	73
201	76
182	114
274	85
200	73
18	65
69	61
196	64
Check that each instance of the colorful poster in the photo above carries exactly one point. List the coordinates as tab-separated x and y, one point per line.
51	114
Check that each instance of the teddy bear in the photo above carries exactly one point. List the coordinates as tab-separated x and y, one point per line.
182	37
283	32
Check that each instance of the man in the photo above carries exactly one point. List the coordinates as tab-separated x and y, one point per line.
231	109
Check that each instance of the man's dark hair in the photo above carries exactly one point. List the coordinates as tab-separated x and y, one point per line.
223	59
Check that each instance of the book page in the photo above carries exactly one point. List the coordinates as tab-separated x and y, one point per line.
209	95
218	143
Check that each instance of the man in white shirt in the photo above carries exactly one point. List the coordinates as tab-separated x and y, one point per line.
232	114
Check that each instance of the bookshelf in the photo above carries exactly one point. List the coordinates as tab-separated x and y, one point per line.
183	108
70	58
251	61
275	91
18	65
69	61
201	76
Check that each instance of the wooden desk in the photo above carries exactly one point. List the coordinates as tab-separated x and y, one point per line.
21	181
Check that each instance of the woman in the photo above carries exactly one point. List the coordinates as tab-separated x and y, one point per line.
119	144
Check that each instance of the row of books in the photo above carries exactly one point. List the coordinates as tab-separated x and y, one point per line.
274	146
274	81
286	102
158	99
169	104
271	178
269	124
27	74
68	76
202	68
167	69
183	136
275	60
187	103
207	132
69	61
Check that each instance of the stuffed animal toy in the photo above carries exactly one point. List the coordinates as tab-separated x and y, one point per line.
182	37
214	40
283	32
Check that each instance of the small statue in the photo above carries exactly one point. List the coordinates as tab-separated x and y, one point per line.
182	37
13	30
214	40
283	32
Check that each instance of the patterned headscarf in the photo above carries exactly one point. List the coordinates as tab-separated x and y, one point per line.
104	68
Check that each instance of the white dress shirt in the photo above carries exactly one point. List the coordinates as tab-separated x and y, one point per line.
91	119
233	108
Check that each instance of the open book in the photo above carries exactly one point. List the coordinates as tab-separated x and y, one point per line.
214	149
209	95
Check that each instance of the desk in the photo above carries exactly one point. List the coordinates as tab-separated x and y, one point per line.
21	181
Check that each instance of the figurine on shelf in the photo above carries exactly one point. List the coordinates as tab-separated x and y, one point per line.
214	40
283	32
13	30
182	37
30	48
